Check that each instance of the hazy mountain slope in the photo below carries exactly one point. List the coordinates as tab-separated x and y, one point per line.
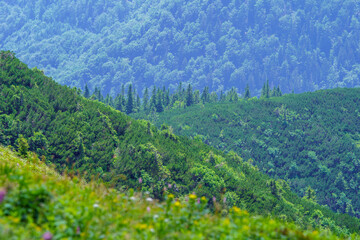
38	203
309	139
86	136
301	45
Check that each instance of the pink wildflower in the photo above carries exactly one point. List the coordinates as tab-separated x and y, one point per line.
47	236
2	194
140	180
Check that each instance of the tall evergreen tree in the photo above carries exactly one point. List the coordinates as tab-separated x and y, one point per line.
146	99
159	104
189	96
153	98
247	92
86	92
130	99
205	95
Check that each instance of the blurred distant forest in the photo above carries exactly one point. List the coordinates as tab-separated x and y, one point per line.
299	45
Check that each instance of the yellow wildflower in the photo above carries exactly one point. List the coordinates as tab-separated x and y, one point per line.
192	196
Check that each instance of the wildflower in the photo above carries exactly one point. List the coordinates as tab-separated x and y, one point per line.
224	200
171	196
140	180
177	204
169	186
96	205
198	201
236	210
214	199
47	236
149	199
148	209
133	198
2	195
192	196
203	198
78	230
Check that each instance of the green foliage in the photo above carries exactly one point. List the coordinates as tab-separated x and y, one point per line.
22	146
309	139
68	208
78	135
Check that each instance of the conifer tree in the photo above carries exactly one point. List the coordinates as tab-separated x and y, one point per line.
263	91
205	95
189	96
153	98
146	99
86	92
130	99
159	104
247	92
267	89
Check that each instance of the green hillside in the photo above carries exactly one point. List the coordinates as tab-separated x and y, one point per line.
310	139
38	203
82	136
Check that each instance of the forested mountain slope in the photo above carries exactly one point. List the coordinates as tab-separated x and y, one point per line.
39	203
88	137
299	45
309	139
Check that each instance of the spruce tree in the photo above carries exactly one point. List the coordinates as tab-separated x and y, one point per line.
130	99
159	104
153	98
86	92
263	91
247	92
267	89
146	99
189	96
205	95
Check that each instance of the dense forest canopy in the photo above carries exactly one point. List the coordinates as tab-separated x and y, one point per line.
299	45
308	139
86	137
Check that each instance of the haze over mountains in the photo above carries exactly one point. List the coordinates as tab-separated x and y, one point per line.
299	45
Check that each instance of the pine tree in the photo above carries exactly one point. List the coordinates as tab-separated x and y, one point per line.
263	91
247	92
189	96
267	89
146	99
130	99
159	104
153	98
86	92
205	95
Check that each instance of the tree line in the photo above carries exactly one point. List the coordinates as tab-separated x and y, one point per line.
160	99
